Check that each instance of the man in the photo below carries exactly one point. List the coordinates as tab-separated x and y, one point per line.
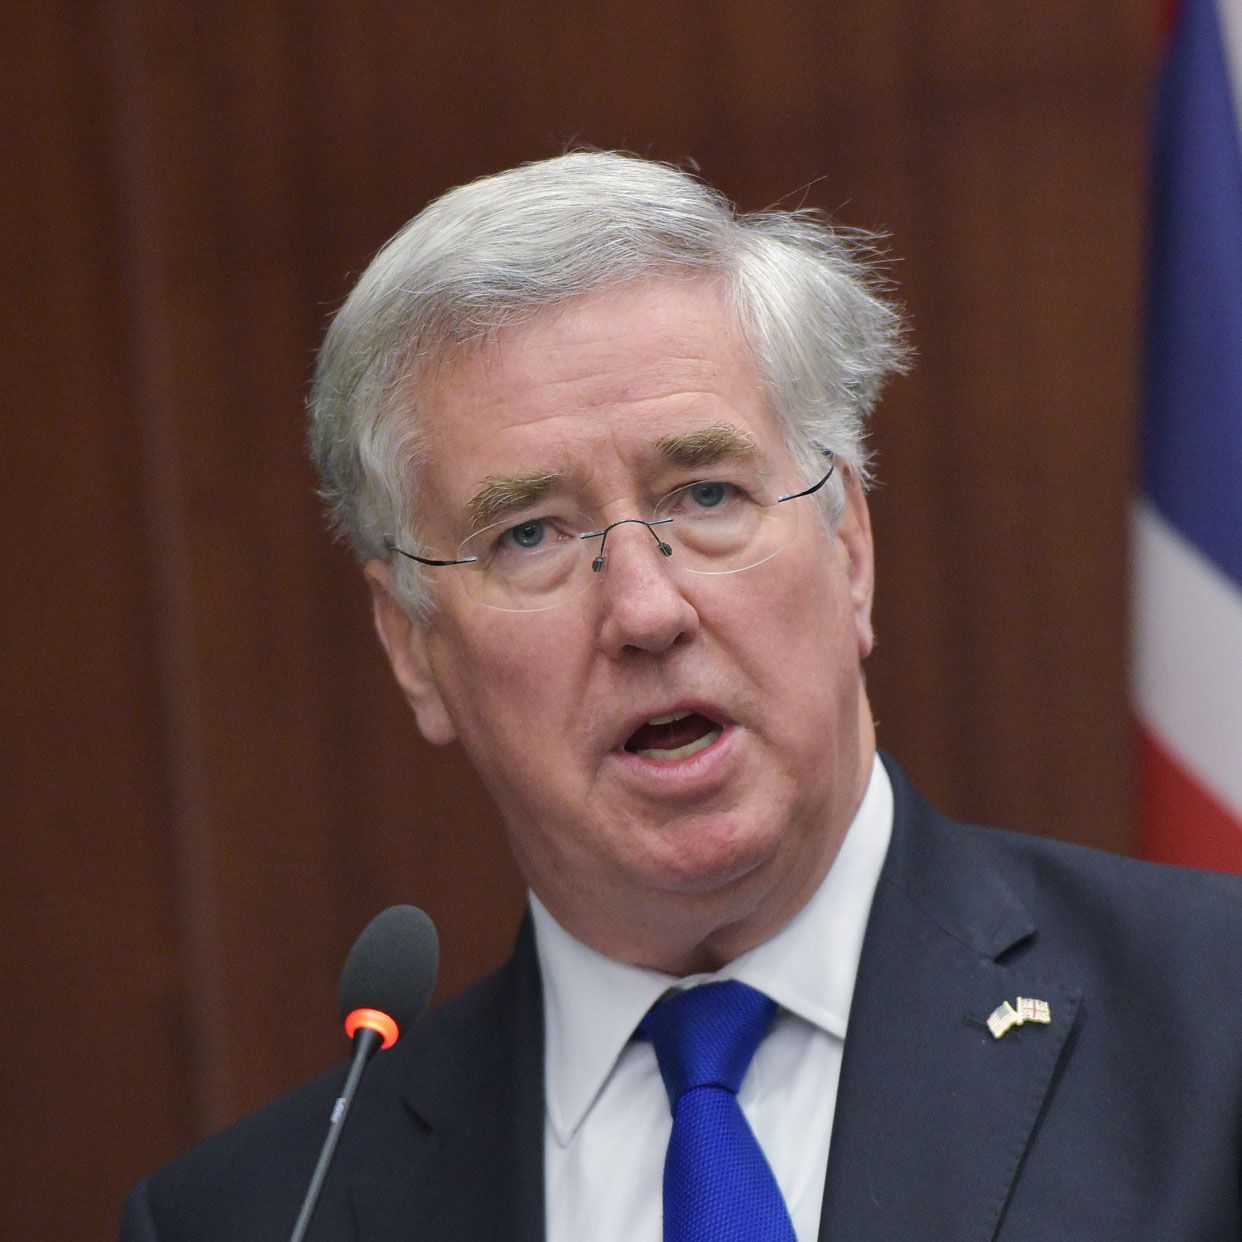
598	443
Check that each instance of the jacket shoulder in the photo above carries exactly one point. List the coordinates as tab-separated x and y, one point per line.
248	1180
1173	934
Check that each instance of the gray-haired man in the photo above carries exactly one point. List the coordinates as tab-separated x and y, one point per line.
598	442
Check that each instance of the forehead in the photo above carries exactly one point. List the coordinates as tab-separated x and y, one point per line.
600	381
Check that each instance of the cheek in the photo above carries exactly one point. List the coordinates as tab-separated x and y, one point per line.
807	606
505	684
812	656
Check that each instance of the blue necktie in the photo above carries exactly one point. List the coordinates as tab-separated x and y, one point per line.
718	1185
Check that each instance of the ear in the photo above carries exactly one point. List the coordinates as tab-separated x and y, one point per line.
854	538
405	642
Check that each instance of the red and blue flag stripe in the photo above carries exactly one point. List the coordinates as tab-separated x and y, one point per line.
1188	523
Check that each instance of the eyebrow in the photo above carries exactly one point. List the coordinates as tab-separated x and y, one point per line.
705	446
500	494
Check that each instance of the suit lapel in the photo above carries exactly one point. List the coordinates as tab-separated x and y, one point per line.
934	1114
470	1164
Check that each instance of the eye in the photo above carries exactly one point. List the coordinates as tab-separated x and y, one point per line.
523	540
707	498
525	535
710	494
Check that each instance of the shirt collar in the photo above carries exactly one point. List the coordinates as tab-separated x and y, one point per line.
592	1003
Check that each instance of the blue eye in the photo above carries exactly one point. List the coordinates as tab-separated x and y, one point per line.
708	495
526	534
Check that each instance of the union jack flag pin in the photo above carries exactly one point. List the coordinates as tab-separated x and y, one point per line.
1033	1010
1027	1009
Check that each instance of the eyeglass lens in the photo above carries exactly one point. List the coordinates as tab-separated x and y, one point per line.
712	527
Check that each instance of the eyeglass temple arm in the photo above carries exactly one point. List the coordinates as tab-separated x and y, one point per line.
426	560
810	491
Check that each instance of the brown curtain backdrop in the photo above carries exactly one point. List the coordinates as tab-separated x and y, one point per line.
212	782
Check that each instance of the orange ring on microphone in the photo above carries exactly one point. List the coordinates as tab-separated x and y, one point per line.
376	1020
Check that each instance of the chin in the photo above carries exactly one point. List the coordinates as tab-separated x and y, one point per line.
712	859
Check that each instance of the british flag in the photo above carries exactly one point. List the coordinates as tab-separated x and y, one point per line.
1188	521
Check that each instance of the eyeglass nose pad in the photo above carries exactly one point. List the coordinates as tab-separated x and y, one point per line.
665	549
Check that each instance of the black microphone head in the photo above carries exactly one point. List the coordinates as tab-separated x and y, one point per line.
392	966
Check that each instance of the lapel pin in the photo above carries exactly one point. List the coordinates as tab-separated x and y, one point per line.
1027	1009
1033	1010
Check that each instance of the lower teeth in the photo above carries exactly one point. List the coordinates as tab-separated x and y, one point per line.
682	752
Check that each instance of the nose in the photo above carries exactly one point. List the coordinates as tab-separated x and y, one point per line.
643	607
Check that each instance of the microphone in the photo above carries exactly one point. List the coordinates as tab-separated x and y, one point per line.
387	981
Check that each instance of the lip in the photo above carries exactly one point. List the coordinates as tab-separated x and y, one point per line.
697	775
708	710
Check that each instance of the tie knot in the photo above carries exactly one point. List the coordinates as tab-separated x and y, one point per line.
707	1036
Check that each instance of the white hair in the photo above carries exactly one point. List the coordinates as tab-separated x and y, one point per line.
808	296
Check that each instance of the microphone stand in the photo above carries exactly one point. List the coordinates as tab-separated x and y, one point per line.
366	1042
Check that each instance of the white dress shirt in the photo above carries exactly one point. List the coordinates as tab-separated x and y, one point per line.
607	1122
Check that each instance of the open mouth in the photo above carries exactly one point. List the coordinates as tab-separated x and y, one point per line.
679	735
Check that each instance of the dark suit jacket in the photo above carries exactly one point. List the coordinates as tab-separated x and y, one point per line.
1120	1119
